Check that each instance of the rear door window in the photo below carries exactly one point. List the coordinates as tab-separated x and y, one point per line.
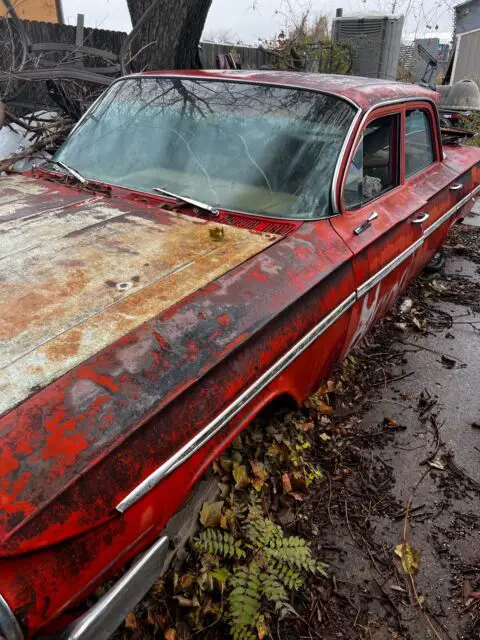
419	147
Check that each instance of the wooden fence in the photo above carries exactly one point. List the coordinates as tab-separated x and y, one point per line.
78	49
250	57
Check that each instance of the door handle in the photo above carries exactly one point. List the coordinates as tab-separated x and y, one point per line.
456	186
421	218
368	223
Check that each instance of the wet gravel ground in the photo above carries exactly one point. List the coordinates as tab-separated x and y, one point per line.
417	444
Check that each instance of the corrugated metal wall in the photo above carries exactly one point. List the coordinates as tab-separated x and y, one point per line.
467	56
467	17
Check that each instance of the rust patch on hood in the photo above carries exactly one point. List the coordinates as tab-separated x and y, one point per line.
76	278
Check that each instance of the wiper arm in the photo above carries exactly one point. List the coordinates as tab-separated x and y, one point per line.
213	209
69	170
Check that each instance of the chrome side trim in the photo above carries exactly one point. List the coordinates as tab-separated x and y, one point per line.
438	223
388	268
237	405
99	622
251	392
9	627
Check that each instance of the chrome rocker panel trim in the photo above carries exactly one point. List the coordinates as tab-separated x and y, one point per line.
9	627
99	622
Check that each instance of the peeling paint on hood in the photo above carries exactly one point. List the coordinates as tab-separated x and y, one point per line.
81	272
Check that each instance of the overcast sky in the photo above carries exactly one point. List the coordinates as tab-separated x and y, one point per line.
238	17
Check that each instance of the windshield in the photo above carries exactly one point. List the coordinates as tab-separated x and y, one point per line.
238	146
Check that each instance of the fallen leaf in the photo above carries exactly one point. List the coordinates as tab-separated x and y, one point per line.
436	463
186	581
395	587
217	233
286	517
449	363
304	426
262	629
330	387
420	325
323	407
297	496
260	473
170	634
211	513
240	475
226	464
325	437
227	521
211	607
437	286
223	489
158	587
131	621
186	602
406	306
410	558
273	450
286	482
389	422
221	575
298	481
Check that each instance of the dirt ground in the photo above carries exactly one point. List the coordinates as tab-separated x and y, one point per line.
420	445
397	438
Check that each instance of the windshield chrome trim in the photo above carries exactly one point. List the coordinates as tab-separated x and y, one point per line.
241	81
303	218
333	195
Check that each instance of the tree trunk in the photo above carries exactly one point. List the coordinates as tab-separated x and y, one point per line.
169	37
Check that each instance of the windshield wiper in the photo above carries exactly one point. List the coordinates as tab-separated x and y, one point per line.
213	209
69	170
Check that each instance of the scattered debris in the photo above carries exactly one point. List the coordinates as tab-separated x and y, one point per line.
217	233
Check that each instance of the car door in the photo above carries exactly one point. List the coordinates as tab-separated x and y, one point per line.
379	218
429	178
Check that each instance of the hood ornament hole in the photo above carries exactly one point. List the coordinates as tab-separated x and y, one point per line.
124	286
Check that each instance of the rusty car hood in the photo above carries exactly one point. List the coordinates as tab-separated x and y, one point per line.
78	272
101	383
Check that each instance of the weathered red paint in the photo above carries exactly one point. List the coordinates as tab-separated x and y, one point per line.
73	449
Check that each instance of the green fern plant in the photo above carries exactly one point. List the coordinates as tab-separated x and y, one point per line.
276	564
216	542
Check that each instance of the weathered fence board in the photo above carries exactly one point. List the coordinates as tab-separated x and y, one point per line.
251	57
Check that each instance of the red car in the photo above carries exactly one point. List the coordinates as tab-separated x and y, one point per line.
203	244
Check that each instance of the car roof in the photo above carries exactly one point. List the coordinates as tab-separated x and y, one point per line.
363	92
